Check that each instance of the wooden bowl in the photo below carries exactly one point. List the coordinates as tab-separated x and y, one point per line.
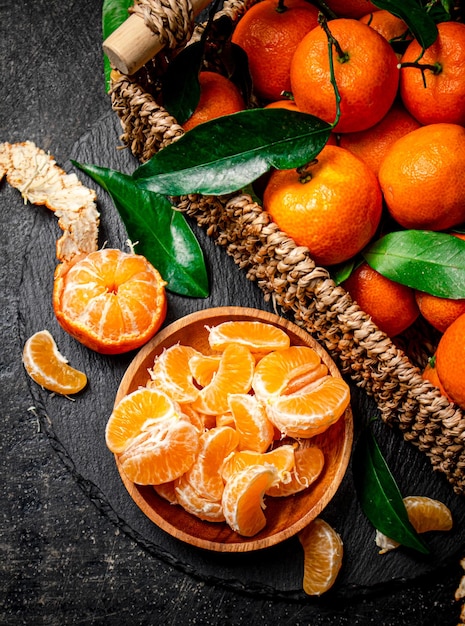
285	516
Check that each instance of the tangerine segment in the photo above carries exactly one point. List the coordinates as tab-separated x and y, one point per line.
234	375
109	300
203	367
255	430
276	370
167	491
425	514
171	373
310	413
243	498
195	504
204	476
257	336
282	458
323	552
136	412
161	453
48	367
309	463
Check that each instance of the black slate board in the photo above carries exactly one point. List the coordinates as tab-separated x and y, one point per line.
76	428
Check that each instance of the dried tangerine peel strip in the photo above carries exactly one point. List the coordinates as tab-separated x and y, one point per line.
49	368
42	182
323	554
425	514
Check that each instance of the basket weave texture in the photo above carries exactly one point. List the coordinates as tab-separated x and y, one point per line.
388	370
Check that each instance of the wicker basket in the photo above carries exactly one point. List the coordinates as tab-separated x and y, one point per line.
389	371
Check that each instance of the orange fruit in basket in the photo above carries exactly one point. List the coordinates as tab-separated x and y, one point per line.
275	371
372	145
311	411
450	361
171	373
420	197
323	553
234	375
48	367
255	430
432	85
392	306
430	373
332	206
366	73
258	337
218	96
439	312
269	33
350	8
204	475
109	300
425	514
309	463
388	25
282	458
243	498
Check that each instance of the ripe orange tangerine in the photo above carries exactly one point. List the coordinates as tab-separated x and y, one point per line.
365	69
450	361
109	300
48	367
351	8
332	206
218	96
391	27
269	33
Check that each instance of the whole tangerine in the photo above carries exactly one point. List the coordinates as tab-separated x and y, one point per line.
450	361
392	306
269	33
350	8
423	178
439	312
432	84
365	70
218	96
371	145
333	206
390	26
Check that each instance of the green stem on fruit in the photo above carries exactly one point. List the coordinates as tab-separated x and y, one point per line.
423	67
281	8
342	56
332	42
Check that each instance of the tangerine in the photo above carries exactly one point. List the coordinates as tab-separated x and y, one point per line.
391	27
333	206
255	430
218	96
48	367
350	8
432	82
258	337
109	300
323	553
171	373
422	178
309	463
371	145
450	361
269	32
439	312
391	306
365	70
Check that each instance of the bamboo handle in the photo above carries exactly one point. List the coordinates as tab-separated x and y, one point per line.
133	44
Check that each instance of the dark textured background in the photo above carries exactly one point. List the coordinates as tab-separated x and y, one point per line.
67	556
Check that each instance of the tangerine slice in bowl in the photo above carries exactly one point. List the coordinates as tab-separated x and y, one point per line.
285	517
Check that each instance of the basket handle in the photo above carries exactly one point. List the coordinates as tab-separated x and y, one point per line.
133	44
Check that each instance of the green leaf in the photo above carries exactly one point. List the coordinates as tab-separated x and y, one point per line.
227	153
181	87
114	13
425	260
420	23
379	495
159	233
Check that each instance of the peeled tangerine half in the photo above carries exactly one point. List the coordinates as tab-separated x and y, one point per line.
48	367
312	411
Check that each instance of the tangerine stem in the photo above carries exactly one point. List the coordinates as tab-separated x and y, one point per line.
342	56
435	69
281	8
331	41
